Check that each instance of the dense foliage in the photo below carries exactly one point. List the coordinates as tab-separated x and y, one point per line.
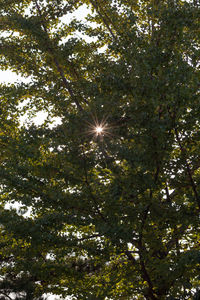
112	214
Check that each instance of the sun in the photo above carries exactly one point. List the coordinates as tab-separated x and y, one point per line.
99	130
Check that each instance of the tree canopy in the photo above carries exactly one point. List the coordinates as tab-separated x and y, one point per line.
105	202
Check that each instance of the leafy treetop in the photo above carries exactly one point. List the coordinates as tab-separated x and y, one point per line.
109	214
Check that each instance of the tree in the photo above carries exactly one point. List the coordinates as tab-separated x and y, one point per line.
113	211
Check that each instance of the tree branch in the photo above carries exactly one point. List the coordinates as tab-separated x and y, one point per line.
58	66
167	193
145	274
141	248
189	171
90	190
97	7
6	295
90	237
